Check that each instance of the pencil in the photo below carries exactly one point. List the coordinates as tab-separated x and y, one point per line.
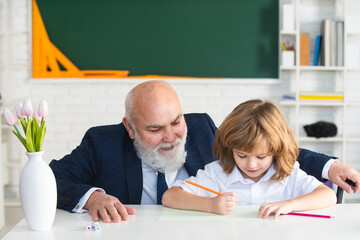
205	188
309	215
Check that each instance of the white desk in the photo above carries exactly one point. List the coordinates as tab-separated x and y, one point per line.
155	222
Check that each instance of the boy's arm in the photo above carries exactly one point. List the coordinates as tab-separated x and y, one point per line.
176	197
321	197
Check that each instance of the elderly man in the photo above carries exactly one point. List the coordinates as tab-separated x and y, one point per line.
155	145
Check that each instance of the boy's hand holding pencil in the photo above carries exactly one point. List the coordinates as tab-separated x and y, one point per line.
224	203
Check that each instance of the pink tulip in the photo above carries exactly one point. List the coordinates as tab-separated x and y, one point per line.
27	109
18	109
10	118
43	110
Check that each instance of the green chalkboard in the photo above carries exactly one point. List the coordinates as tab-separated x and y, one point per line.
195	38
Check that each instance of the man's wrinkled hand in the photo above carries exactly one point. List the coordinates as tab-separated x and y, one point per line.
338	173
107	207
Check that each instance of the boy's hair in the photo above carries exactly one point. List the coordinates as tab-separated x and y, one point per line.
246	126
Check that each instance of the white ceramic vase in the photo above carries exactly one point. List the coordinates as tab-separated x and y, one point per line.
38	192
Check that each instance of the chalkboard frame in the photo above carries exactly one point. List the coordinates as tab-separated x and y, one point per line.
263	62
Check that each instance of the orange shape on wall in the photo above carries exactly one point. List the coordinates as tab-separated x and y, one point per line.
47	58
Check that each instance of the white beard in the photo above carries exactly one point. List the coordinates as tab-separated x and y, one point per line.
162	161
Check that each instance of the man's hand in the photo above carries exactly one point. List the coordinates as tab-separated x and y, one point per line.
107	207
338	173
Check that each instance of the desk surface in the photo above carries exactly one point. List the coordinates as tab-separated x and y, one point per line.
152	221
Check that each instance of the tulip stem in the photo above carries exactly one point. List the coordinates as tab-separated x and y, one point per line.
17	130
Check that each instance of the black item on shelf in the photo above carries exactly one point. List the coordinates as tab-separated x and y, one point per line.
321	129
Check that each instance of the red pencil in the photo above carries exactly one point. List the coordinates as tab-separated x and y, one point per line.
205	188
309	215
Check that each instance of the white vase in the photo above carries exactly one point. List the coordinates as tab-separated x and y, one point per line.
38	192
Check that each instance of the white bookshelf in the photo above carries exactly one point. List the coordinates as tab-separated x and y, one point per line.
308	15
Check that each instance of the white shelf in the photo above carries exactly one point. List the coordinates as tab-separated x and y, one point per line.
282	32
297	79
320	68
12	164
317	68
317	140
288	103
312	103
12	202
353	103
288	68
321	104
353	139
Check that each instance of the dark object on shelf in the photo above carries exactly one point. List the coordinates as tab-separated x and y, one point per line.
321	129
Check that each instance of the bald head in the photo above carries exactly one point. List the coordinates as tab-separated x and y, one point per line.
148	96
155	122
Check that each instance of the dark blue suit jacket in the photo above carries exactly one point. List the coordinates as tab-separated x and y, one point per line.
106	158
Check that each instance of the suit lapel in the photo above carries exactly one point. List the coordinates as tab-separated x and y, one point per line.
190	164
199	142
133	172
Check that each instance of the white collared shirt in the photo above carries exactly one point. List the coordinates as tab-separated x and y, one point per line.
248	191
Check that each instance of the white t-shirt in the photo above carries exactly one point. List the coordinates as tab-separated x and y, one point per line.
248	191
